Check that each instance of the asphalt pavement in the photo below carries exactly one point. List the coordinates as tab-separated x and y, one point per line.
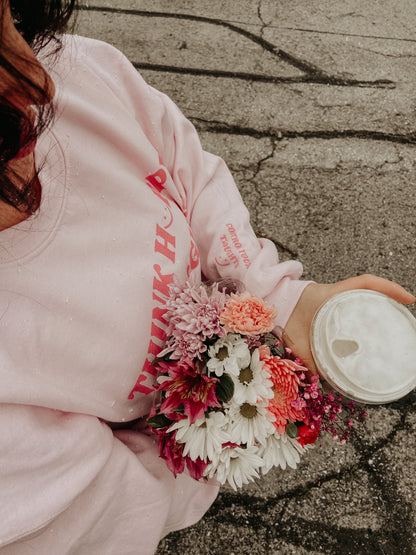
312	105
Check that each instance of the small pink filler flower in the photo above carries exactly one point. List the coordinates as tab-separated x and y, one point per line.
248	315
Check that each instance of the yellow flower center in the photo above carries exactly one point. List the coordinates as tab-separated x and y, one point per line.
222	353
246	375
248	411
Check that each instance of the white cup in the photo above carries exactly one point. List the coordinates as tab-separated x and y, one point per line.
364	346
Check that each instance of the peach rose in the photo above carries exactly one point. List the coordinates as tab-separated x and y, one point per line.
248	315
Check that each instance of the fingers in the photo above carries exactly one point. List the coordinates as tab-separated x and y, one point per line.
301	349
296	333
374	283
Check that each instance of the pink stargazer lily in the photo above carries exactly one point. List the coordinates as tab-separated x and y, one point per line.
187	386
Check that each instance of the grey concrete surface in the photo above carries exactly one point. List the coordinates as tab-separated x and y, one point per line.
312	105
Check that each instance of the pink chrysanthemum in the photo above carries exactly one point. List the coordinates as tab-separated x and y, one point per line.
193	313
286	390
248	315
188	387
184	346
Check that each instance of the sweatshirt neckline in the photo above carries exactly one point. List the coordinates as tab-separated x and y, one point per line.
31	236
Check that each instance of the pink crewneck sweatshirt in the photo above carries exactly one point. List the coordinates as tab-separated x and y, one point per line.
130	200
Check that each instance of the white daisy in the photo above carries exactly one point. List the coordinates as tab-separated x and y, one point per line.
235	465
252	383
203	438
280	450
250	423
229	354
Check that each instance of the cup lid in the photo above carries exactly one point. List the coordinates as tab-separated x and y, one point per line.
364	346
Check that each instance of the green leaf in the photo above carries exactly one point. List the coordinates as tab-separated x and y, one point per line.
225	388
277	350
159	421
292	430
165	358
211	340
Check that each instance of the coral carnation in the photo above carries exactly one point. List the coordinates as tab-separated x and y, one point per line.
248	315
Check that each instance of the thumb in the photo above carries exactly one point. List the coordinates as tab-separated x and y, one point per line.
375	283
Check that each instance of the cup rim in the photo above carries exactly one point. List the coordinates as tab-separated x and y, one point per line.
340	382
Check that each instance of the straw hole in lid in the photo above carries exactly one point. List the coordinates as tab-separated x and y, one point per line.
344	347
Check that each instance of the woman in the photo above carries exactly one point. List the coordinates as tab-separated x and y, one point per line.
101	206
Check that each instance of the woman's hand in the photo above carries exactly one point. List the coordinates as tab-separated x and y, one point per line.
296	332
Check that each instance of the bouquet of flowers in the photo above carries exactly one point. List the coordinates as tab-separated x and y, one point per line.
233	401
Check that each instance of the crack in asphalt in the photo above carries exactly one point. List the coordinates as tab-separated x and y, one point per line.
244	76
255	77
258	168
215	126
313	74
260	16
343	34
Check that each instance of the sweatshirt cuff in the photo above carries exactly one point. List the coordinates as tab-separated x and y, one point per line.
285	297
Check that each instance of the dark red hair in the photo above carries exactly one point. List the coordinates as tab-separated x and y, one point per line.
39	22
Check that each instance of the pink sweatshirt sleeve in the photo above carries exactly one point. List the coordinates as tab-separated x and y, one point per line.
205	189
67	481
219	220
